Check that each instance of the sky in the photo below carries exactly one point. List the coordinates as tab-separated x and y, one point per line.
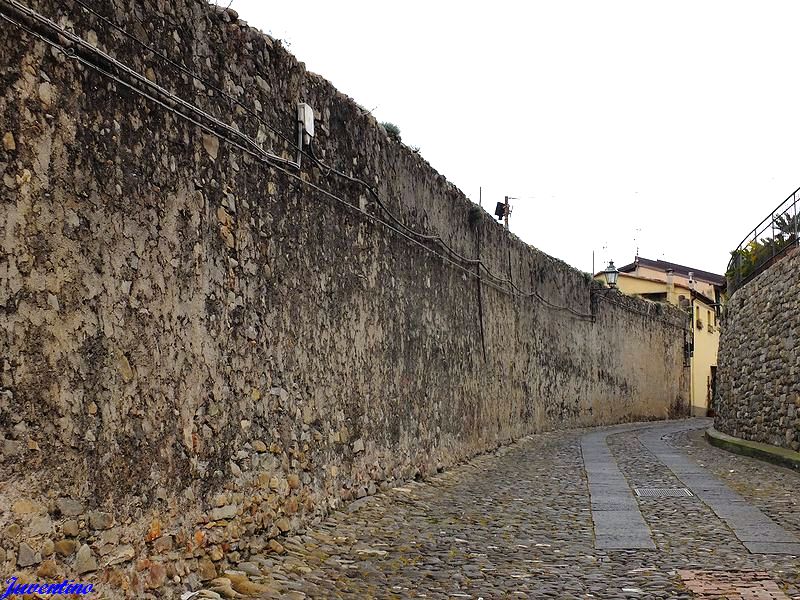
671	127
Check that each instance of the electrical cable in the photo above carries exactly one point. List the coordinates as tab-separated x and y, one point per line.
183	69
328	169
85	46
438	239
68	52
270	159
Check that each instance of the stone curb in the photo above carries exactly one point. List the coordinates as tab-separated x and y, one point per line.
774	454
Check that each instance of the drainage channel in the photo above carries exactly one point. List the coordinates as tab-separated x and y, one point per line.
662	492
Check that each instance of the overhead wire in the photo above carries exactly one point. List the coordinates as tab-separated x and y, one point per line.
87	47
436	238
68	52
328	169
253	149
186	71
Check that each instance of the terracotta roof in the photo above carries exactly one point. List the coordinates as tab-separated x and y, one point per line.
693	293
663	265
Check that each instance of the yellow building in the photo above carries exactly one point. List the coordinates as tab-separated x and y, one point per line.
695	291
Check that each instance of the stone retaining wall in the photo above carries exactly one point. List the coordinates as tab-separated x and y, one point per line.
758	392
199	355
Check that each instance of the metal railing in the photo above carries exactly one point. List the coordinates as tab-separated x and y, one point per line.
767	243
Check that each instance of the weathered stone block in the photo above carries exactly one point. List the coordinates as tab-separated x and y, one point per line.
763	316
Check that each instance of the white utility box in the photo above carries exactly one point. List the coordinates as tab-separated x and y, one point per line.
305	116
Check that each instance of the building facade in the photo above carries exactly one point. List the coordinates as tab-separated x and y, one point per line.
695	291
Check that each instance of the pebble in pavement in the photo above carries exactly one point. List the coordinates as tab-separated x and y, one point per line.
517	524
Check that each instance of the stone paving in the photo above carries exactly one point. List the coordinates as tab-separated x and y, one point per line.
757	532
518	524
618	522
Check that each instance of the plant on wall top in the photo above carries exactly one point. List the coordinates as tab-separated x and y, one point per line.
787	224
392	129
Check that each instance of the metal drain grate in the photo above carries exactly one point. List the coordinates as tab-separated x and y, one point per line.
662	492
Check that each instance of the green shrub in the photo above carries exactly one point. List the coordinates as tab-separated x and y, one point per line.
474	215
392	129
745	261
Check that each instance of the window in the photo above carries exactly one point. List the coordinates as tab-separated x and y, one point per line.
697	322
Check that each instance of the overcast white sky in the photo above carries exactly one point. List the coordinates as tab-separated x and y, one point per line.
675	124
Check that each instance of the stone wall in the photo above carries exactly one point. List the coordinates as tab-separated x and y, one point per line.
758	390
201	354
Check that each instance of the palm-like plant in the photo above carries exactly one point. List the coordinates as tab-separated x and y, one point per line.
787	224
749	258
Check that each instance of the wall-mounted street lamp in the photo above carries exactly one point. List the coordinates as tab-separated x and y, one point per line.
611	274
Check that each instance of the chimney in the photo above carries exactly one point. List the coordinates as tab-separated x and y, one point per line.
670	284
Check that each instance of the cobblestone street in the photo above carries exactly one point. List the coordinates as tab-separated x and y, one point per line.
523	523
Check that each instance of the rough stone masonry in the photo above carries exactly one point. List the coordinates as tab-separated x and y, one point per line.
758	394
200	353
